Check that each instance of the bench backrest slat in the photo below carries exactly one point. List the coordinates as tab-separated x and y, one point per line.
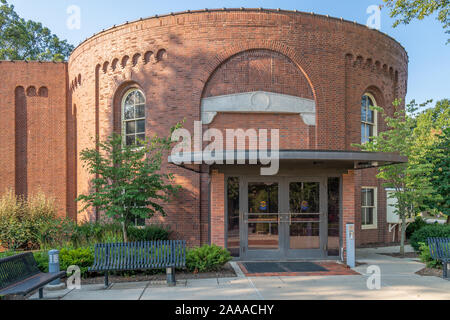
140	255
439	248
17	268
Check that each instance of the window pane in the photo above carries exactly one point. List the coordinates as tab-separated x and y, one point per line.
130	140
130	99
369	219
368	132
140	111
140	126
370	116
363	133
364	101
370	128
363	113
262	197
369	102
139	98
129	112
363	216
140	139
130	127
140	222
364	197
304	197
370	197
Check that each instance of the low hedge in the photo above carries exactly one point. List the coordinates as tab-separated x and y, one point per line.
429	231
207	258
148	233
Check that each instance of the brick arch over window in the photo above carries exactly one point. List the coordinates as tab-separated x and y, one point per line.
258	70
121	90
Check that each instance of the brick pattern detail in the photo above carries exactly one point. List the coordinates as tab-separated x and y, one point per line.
348	206
218	209
258	70
33	104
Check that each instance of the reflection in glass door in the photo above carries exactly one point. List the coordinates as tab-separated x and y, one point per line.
283	218
262	216
304	224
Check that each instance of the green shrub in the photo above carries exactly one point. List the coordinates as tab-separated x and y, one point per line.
429	231
418	224
148	233
41	258
207	258
22	221
425	256
81	257
88	234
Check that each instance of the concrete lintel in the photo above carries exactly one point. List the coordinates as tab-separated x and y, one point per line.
259	102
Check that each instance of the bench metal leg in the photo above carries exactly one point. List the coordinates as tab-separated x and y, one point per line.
41	293
106	280
444	269
171	281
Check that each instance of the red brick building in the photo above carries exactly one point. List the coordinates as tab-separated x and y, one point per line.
312	77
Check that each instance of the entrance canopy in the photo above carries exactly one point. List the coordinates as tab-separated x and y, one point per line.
338	159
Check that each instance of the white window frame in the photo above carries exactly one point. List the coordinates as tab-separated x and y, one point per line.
375	209
124	121
375	116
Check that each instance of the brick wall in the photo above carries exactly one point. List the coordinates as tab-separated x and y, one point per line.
177	60
218	208
348	206
34	135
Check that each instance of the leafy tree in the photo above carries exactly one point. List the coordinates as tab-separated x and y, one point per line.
28	40
433	127
410	181
441	175
128	184
407	10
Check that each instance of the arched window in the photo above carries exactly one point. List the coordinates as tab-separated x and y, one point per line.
133	117
368	118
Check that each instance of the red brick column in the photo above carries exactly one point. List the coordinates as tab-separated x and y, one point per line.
218	208
348	205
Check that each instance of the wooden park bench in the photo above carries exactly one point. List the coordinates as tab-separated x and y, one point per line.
20	276
440	250
140	256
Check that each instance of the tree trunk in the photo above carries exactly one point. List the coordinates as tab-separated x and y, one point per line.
448	219
403	236
125	232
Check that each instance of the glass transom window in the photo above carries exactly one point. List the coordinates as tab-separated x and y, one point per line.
133	117
368	119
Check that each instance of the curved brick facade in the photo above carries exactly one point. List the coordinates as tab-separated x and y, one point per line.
181	58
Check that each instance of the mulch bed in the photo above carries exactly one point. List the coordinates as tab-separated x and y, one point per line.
398	255
226	272
430	272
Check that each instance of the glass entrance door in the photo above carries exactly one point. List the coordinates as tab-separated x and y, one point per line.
261	217
306	228
283	218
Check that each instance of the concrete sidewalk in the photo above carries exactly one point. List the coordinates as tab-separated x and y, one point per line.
398	281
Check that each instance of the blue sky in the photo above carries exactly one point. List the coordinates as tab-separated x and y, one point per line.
429	68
